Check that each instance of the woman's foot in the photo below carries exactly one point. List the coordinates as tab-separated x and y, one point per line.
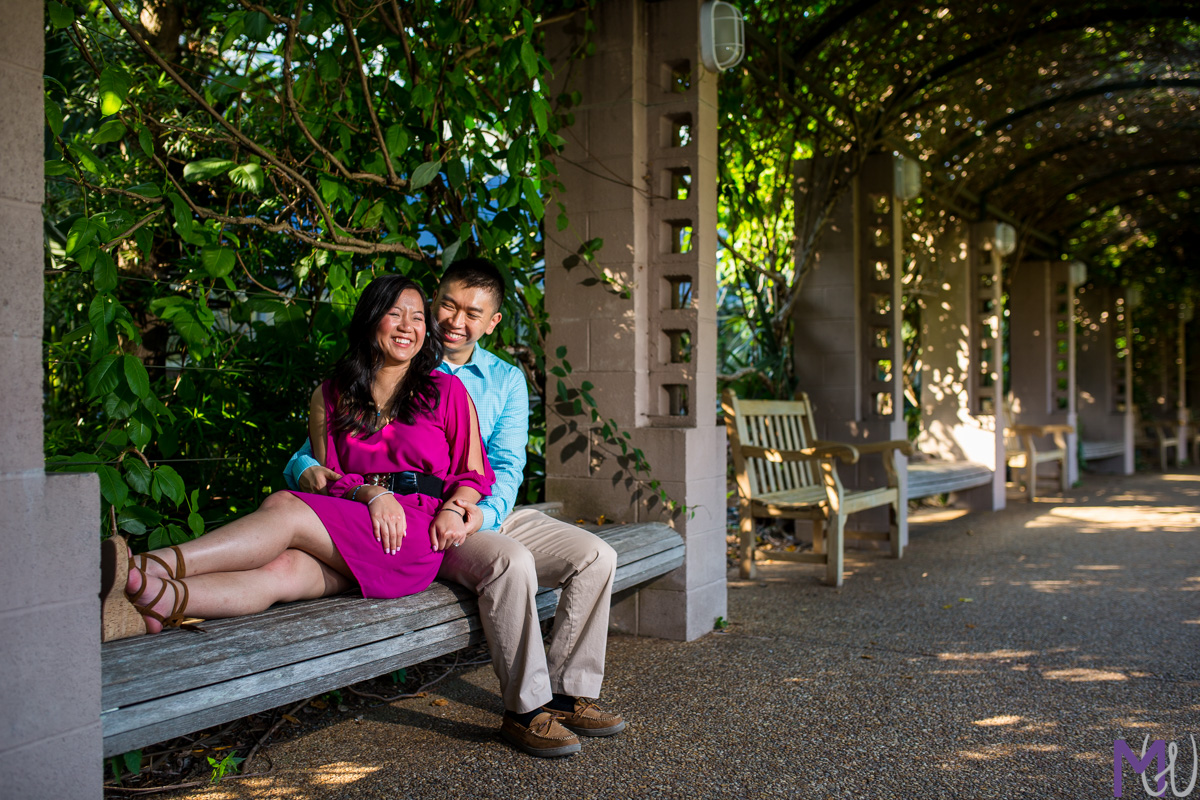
166	562
160	601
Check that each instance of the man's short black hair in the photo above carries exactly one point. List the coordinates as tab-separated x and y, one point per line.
477	273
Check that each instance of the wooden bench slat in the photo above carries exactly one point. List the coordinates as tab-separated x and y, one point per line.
927	478
1102	449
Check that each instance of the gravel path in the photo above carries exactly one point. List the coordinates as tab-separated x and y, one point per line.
999	659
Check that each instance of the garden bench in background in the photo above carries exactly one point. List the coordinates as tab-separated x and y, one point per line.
1099	450
1025	456
935	477
1158	436
169	684
784	472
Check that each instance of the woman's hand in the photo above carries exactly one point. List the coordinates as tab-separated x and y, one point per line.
448	528
388	521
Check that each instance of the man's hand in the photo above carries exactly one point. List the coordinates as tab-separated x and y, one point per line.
473	513
448	528
317	479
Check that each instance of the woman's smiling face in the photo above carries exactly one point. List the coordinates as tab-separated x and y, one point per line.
401	332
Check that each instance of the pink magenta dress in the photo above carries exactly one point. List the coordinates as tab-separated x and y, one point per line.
438	444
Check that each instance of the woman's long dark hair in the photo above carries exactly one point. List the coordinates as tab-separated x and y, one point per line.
354	374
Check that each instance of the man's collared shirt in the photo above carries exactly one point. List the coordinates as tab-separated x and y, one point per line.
502	405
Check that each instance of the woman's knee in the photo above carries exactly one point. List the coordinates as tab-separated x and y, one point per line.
280	501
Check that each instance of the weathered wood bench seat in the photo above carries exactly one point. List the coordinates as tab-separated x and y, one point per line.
784	471
1095	451
930	478
179	681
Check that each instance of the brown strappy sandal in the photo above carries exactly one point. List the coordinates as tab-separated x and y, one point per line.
119	619
180	565
178	606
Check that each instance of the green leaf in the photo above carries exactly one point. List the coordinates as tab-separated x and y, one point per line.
83	230
562	392
450	252
146	142
184	220
130	525
373	215
396	139
169	483
59	15
88	160
136	375
133	761
111	131
423	174
206	168
176	534
145	190
560	351
112	486
249	177
139	431
114	89
54	115
533	198
104	272
56	168
218	261
196	523
104	377
158	538
529	59
137	475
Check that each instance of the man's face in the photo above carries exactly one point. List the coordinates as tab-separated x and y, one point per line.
465	315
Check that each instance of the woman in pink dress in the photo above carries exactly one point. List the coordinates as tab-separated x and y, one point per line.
405	440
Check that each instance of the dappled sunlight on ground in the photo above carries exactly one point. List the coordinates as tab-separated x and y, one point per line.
1097	519
1082	675
341	773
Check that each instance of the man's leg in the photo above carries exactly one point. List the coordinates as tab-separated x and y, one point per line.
502	572
583	565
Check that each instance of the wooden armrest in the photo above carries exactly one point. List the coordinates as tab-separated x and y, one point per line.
845	452
903	445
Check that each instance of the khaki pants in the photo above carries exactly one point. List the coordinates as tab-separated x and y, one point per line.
505	569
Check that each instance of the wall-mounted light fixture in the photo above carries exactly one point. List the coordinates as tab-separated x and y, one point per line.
998	236
1133	295
906	178
722	35
1078	273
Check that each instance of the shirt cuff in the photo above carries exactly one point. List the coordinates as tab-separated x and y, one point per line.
489	519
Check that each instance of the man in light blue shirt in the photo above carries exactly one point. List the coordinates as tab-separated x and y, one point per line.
508	553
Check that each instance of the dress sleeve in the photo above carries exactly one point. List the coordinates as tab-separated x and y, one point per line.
469	465
346	484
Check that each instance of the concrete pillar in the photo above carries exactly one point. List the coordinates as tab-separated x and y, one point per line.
961	354
639	322
1104	414
1042	350
849	348
50	740
1182	412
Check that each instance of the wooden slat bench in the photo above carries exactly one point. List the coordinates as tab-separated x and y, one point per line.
784	471
930	478
1158	436
158	687
1097	451
1025	456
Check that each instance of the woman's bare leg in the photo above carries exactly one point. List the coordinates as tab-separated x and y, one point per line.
293	575
282	522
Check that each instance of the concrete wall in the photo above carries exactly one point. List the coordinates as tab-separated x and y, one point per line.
639	323
1105	415
50	739
1042	350
961	350
848	338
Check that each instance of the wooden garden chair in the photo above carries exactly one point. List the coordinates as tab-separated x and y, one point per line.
785	472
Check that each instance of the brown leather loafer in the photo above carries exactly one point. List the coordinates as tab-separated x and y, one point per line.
588	720
544	737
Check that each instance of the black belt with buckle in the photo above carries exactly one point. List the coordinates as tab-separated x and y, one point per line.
407	482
